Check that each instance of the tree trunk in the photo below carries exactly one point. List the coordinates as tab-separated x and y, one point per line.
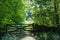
56	6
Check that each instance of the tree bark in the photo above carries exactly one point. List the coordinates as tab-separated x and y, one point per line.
56	6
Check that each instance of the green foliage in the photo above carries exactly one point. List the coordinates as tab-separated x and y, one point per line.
11	11
14	11
45	14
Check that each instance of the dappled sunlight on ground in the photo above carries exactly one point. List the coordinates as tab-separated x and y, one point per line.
29	21
28	38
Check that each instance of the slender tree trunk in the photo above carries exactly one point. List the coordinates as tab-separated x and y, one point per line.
56	6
